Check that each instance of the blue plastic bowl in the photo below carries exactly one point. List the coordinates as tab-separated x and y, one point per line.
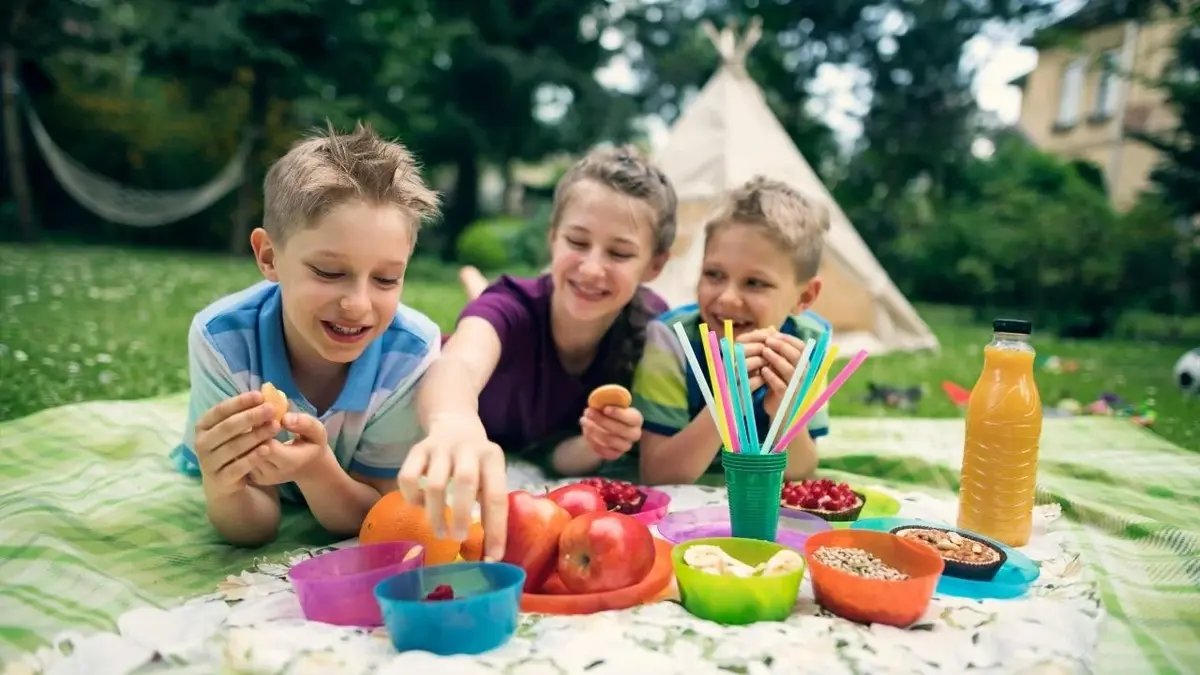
482	616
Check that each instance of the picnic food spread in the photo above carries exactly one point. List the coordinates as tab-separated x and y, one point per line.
823	498
714	560
858	562
610	395
277	399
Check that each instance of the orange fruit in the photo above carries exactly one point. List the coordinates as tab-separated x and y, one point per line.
393	519
472	548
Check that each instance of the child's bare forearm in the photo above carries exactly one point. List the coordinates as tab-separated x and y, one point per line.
249	517
337	500
573	457
802	457
683	458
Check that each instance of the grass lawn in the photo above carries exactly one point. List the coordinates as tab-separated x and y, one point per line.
85	323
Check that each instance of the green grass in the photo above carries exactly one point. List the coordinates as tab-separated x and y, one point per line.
84	323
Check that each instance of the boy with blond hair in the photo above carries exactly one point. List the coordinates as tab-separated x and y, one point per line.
761	257
326	328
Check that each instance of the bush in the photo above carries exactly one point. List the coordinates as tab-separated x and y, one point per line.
1026	231
485	243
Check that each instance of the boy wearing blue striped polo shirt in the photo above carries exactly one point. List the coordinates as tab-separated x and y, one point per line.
326	327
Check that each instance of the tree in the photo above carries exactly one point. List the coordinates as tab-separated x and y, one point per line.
501	57
30	31
1177	176
280	50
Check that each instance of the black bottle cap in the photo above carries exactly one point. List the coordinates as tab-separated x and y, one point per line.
1015	326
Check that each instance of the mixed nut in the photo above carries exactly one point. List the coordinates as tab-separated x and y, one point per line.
952	545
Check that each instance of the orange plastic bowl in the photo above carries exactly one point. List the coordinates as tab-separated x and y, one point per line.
895	603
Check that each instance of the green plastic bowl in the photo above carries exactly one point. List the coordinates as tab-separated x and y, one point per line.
736	601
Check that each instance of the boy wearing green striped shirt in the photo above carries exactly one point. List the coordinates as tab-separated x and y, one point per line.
762	252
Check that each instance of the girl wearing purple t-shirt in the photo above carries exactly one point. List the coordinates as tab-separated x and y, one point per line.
527	352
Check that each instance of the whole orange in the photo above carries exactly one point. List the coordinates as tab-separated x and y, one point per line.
393	519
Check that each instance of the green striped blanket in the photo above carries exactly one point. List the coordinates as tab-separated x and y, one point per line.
94	522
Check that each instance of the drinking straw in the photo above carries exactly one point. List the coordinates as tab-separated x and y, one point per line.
729	330
697	371
812	391
818	359
723	393
735	395
785	402
822	399
747	400
712	377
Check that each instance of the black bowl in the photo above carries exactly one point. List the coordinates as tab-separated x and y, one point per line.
958	568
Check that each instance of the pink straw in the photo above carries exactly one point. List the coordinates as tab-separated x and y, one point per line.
723	392
821	400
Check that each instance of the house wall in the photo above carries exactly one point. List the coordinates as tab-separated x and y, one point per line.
1097	137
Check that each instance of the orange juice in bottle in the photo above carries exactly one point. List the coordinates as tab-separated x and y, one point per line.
1004	425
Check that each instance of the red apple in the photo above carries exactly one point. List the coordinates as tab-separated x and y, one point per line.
534	527
605	551
578	499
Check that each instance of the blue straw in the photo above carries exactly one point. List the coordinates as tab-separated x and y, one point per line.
747	400
735	396
818	357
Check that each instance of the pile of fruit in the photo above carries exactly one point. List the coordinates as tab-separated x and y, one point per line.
569	541
823	498
617	495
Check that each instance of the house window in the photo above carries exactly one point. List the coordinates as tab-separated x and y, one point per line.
1107	86
1071	93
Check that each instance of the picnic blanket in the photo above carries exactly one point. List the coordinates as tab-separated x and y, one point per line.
94	523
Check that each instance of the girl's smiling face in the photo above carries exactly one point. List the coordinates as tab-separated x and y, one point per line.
601	251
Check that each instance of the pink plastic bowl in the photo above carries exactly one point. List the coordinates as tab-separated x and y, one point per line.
339	587
655	506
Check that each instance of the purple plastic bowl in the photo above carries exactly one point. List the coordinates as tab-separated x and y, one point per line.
339	587
655	506
713	521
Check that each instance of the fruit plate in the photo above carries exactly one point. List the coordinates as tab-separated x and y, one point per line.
555	599
1012	580
713	521
878	505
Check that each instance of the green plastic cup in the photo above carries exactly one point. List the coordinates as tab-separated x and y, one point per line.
754	482
736	601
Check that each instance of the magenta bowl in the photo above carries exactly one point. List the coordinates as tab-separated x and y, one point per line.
339	587
655	506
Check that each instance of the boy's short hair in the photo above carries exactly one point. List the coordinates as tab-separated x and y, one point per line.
790	218
324	171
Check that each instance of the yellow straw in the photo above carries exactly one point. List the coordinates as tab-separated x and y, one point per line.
819	384
722	426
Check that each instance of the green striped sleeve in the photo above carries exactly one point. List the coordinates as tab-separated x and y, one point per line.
660	384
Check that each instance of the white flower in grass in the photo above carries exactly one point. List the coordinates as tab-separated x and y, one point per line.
103	358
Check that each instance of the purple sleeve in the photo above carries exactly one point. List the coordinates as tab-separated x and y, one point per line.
503	310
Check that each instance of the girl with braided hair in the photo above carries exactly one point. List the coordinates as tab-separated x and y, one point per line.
526	353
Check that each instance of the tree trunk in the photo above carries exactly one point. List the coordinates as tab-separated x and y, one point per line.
14	148
249	199
464	209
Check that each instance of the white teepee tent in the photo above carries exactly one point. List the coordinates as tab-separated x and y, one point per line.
725	137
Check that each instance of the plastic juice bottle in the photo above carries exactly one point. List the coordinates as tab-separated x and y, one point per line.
1004	425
